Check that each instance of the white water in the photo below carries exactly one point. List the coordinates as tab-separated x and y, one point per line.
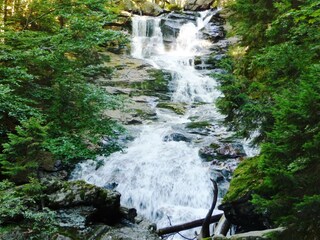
166	179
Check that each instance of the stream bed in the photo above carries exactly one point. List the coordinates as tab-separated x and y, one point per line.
165	171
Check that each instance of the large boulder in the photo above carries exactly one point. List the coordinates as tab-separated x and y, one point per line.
176	137
141	7
105	203
151	9
197	5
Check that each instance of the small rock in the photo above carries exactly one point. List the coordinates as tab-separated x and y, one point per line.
231	150
110	186
134	121
207	153
177	137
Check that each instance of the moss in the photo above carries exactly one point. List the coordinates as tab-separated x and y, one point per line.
201	124
7	229
214	146
178	108
173	7
246	178
158	82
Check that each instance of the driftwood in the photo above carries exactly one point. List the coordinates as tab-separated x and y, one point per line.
223	226
205	231
188	225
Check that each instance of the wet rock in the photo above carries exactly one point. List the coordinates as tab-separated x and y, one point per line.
177	137
133	121
77	217
110	186
78	193
197	5
222	151
242	213
128	214
207	153
172	22
230	150
220	46
219	177
178	108
213	32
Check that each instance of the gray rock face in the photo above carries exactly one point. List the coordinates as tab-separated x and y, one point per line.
197	5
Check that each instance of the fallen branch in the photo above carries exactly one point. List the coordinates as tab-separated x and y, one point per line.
188	225
205	231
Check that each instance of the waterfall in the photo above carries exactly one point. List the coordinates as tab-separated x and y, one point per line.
160	178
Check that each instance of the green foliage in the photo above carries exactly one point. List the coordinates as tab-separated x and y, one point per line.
273	87
49	58
246	178
20	204
25	150
270	60
202	124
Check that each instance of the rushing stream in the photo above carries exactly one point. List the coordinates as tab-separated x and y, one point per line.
161	178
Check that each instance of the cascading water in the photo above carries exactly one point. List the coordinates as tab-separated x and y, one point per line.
166	178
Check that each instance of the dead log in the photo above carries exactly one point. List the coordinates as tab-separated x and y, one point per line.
223	226
188	225
205	231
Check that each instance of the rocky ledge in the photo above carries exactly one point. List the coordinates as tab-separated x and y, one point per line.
81	211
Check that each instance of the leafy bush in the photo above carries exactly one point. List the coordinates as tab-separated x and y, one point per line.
50	54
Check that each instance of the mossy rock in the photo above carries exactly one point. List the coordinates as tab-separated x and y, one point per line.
246	178
178	108
173	7
201	124
158	82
